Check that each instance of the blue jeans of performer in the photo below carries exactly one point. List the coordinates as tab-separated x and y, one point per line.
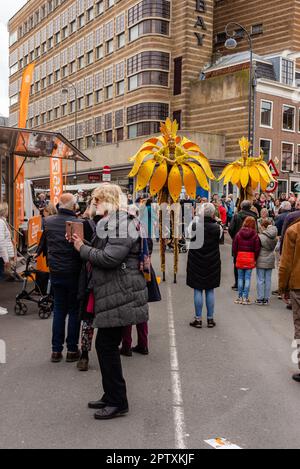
199	303
264	284
65	290
244	284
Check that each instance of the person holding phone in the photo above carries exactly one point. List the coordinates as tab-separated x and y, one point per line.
119	288
65	265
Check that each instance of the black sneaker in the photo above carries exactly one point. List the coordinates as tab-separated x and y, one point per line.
234	288
141	350
259	302
197	324
211	323
266	302
296	378
125	353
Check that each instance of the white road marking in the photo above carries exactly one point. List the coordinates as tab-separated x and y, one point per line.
178	409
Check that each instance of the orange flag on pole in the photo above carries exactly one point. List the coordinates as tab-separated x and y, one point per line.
19	183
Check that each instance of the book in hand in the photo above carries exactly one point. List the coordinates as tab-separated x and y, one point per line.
74	228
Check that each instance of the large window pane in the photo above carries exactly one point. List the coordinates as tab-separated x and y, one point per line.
288	118
287	157
266	113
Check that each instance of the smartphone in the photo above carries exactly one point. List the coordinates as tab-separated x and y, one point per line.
73	227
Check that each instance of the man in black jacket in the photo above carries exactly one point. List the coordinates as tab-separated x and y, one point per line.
65	265
236	225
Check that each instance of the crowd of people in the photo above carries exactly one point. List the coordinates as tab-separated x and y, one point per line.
104	279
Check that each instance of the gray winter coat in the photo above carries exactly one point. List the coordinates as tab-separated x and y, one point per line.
121	295
268	241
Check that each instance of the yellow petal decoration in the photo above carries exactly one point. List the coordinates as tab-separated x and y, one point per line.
254	174
138	160
189	181
200	175
244	177
145	174
236	175
205	165
175	183
229	175
264	174
159	178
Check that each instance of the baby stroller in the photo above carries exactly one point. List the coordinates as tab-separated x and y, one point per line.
40	292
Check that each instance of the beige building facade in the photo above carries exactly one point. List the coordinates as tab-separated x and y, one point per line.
108	72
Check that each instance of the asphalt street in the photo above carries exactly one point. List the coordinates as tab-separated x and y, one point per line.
232	382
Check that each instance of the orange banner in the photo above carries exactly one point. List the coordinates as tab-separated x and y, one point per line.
19	184
34	227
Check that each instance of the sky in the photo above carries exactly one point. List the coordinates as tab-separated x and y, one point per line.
7	10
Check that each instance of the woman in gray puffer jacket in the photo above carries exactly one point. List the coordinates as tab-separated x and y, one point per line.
266	262
120	292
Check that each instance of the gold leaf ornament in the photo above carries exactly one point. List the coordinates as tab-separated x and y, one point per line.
145	174
175	183
189	181
159	178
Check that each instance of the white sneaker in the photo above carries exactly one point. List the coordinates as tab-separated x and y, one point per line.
3	311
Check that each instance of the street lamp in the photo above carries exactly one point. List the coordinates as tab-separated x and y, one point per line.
231	44
66	85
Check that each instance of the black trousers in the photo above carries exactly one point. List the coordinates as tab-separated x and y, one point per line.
114	386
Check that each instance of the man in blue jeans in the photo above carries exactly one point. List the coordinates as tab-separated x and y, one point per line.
65	266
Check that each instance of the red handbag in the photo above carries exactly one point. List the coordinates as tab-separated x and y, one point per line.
246	261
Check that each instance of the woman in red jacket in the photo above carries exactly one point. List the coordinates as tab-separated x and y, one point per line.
246	248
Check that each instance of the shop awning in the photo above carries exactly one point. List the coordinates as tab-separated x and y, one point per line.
37	144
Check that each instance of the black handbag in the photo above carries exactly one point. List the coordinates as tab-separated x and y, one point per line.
154	294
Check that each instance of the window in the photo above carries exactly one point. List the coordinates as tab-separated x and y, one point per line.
73	67
56	113
121	88
72	27
287	157
64	71
287	72
121	40
80	104
110	3
81	62
147	111
72	106
289	118
44	47
89	100
98	139
50	116
81	21
44	83
100	7
64	110
99	52
177	76
37	52
14	100
109	136
64	33
143	128
99	96
282	187
110	47
109	90
148	78
57	75
257	29
50	79
57	38
89	142
90	57
148	9
149	27
266	114
266	146
148	60
297	160
43	118
50	43
90	14
13	37
120	134
13	69
38	87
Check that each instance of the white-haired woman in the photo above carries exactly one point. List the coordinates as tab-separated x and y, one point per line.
7	252
119	288
204	263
